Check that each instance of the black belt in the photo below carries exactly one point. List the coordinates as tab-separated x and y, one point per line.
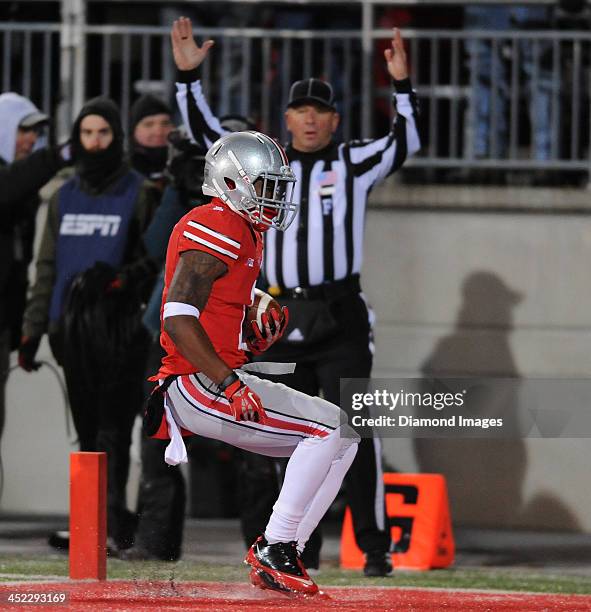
326	291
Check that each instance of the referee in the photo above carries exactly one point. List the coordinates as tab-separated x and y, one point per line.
314	266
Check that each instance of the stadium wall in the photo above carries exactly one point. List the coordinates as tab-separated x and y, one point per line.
418	262
436	309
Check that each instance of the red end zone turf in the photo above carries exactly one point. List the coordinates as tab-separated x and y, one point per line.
214	596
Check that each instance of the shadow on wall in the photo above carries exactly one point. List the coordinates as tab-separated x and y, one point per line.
545	511
485	476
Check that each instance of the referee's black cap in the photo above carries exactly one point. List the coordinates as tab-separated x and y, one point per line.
311	91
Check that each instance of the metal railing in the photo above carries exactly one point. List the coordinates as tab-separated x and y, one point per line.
249	72
28	61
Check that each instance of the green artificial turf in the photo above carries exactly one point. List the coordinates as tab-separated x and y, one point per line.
31	568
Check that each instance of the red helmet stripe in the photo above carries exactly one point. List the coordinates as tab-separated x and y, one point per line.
281	152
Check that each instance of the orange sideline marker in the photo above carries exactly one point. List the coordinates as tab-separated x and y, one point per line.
88	516
417	512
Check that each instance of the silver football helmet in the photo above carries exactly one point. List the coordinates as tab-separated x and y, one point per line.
250	172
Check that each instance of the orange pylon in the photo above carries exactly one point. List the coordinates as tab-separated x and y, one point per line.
88	516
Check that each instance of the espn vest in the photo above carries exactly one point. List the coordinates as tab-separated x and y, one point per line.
91	229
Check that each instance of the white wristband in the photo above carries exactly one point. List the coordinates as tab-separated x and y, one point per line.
173	309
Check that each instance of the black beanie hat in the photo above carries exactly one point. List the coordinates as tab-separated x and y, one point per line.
96	167
108	110
145	106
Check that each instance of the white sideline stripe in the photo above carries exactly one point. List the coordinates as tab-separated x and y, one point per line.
209	245
219	236
513	594
32	578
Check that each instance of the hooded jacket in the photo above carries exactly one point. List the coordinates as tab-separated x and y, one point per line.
13	109
97	169
20	182
93	185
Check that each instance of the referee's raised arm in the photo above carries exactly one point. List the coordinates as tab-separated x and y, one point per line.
203	126
375	159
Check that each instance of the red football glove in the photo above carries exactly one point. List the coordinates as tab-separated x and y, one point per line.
245	403
260	343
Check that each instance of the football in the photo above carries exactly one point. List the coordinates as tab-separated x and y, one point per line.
262	302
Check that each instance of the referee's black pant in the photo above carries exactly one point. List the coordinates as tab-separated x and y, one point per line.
345	354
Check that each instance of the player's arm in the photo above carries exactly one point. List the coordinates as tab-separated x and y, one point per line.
191	285
189	290
203	126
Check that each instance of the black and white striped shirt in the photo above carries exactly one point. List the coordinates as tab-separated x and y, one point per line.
325	241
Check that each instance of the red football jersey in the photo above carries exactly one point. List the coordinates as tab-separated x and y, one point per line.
218	230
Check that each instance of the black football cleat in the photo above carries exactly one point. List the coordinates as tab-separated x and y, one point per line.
59	540
138	553
311	559
278	567
377	564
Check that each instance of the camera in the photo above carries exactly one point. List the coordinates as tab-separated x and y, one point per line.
185	166
186	159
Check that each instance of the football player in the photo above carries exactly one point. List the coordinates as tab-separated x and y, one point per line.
213	260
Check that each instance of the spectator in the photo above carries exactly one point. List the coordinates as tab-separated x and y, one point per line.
573	15
150	125
23	171
488	116
314	265
90	267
